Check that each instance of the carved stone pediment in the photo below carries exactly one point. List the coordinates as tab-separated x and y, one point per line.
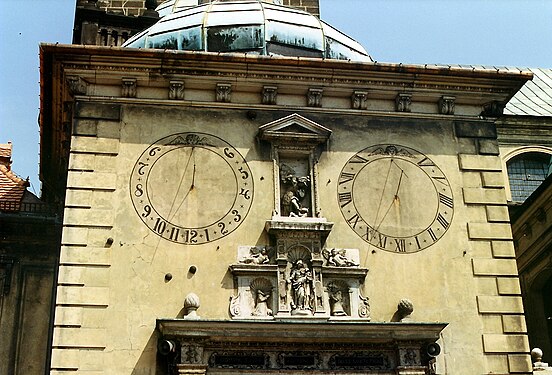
293	129
297	143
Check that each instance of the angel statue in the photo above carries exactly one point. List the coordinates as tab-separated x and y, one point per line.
338	258
257	255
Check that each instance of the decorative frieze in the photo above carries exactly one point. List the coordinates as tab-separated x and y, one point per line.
176	90
300	346
269	95
223	92
402	102
446	105
314	97
359	100
128	87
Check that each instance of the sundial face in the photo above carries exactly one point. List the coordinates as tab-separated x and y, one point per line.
395	198
191	188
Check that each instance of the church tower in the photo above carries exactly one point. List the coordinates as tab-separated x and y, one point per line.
247	192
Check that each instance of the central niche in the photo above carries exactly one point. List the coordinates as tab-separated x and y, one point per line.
296	144
295	187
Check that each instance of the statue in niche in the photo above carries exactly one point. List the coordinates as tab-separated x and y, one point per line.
338	258
335	293
257	255
301	285
295	188
262	291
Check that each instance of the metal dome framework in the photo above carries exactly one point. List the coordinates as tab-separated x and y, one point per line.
248	26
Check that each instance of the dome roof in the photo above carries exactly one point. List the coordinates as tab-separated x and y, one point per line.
251	26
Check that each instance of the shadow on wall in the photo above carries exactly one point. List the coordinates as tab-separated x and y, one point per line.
151	363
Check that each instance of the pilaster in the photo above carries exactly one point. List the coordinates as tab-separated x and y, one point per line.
499	302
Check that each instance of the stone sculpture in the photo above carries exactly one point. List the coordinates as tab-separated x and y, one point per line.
296	188
191	304
257	255
301	285
338	258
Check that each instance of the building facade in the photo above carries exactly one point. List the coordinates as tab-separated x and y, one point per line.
286	213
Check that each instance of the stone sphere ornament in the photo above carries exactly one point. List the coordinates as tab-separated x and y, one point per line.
191	304
405	309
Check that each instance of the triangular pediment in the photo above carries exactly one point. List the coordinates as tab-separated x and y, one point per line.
294	128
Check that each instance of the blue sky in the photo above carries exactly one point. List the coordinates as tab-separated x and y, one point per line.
478	32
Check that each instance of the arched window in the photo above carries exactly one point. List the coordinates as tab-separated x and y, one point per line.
526	172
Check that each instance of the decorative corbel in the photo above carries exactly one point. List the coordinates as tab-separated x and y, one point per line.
77	85
314	97
359	100
493	109
446	105
176	90
270	94
223	92
402	102
128	88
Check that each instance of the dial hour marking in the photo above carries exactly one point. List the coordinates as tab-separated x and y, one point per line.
345	198
345	177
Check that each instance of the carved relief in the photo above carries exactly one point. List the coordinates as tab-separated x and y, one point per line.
338	258
223	92
176	90
270	93
235	310
77	86
409	357
402	102
314	98
359	100
191	353
364	307
446	105
128	87
257	255
338	293
296	191
293	278
261	289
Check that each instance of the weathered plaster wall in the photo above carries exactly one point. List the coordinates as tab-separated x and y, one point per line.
110	294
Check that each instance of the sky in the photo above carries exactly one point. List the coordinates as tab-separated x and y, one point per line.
476	32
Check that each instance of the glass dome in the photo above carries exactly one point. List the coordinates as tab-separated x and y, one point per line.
251	26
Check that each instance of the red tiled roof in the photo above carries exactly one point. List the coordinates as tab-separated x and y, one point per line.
12	189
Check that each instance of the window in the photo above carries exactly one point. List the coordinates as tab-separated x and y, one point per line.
526	172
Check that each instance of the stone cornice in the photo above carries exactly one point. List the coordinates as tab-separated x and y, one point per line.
235	67
299	330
